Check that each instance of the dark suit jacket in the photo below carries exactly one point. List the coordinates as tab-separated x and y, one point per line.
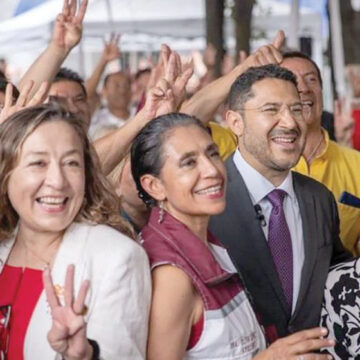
241	233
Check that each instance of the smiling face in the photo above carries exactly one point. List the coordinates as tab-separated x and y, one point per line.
46	187
192	180
71	95
271	129
309	87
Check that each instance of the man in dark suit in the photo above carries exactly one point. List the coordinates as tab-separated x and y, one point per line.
281	228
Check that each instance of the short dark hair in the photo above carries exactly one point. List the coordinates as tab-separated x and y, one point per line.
241	92
299	54
2	75
147	149
3	83
66	74
108	76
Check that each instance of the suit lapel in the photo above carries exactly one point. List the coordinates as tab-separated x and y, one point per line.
307	207
242	217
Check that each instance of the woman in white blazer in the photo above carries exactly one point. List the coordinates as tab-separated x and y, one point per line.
58	212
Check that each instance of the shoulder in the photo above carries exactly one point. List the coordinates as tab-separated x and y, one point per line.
342	272
308	183
105	241
342	152
224	138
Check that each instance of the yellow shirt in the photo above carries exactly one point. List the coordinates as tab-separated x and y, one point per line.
338	168
224	138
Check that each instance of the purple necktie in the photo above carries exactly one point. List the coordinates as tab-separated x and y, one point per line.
279	241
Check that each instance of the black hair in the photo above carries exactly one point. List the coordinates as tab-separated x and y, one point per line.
240	91
107	77
299	54
65	74
147	148
2	75
3	83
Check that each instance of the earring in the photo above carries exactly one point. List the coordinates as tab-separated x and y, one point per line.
161	212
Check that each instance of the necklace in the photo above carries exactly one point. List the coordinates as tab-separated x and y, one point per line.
313	153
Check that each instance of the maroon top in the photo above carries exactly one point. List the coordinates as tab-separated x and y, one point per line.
21	289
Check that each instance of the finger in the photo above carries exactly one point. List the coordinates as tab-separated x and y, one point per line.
178	67
163	85
242	56
184	78
82	10
69	285
24	93
40	96
8	96
80	299
308	346
117	39
156	91
311	357
337	107
269	54
165	54
279	39
65	9
49	289
305	335
72	8
170	69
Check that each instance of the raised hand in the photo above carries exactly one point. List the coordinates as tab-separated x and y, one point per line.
299	346
177	76
343	123
67	335
111	48
24	100
267	54
68	25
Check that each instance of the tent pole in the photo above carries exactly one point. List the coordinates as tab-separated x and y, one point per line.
293	38
338	46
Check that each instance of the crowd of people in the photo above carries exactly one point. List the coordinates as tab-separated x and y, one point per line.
217	221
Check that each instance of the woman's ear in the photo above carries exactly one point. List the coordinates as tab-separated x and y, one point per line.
153	186
235	122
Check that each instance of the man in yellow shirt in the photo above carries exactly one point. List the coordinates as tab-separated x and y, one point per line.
335	166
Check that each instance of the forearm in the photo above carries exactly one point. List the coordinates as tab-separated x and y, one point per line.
205	102
45	66
112	148
93	81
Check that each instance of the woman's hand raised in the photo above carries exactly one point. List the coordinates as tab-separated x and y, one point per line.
67	335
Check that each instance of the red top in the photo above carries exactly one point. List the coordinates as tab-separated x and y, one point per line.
21	289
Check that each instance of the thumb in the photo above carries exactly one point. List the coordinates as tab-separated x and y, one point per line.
279	39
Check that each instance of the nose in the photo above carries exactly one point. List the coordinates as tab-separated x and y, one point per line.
209	168
71	106
301	84
55	176
287	119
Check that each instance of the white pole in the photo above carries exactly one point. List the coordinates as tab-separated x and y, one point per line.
293	38
109	14
337	46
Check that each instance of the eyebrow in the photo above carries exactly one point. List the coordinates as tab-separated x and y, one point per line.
67	153
210	147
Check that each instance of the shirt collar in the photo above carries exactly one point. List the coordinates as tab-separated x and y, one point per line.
190	247
257	185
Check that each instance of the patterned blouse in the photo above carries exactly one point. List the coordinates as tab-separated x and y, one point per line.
341	310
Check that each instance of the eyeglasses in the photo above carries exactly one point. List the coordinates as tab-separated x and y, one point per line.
274	110
5	312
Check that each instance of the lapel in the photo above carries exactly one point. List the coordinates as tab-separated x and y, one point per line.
307	205
70	252
249	238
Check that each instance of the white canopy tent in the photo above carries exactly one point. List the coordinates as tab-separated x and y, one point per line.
145	24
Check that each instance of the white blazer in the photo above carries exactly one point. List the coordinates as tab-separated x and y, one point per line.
118	300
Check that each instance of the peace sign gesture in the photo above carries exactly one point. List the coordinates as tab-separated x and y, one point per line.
67	335
68	25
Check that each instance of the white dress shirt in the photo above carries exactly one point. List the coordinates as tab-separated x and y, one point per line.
259	187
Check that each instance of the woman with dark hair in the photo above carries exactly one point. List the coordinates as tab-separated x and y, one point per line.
58	213
199	307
